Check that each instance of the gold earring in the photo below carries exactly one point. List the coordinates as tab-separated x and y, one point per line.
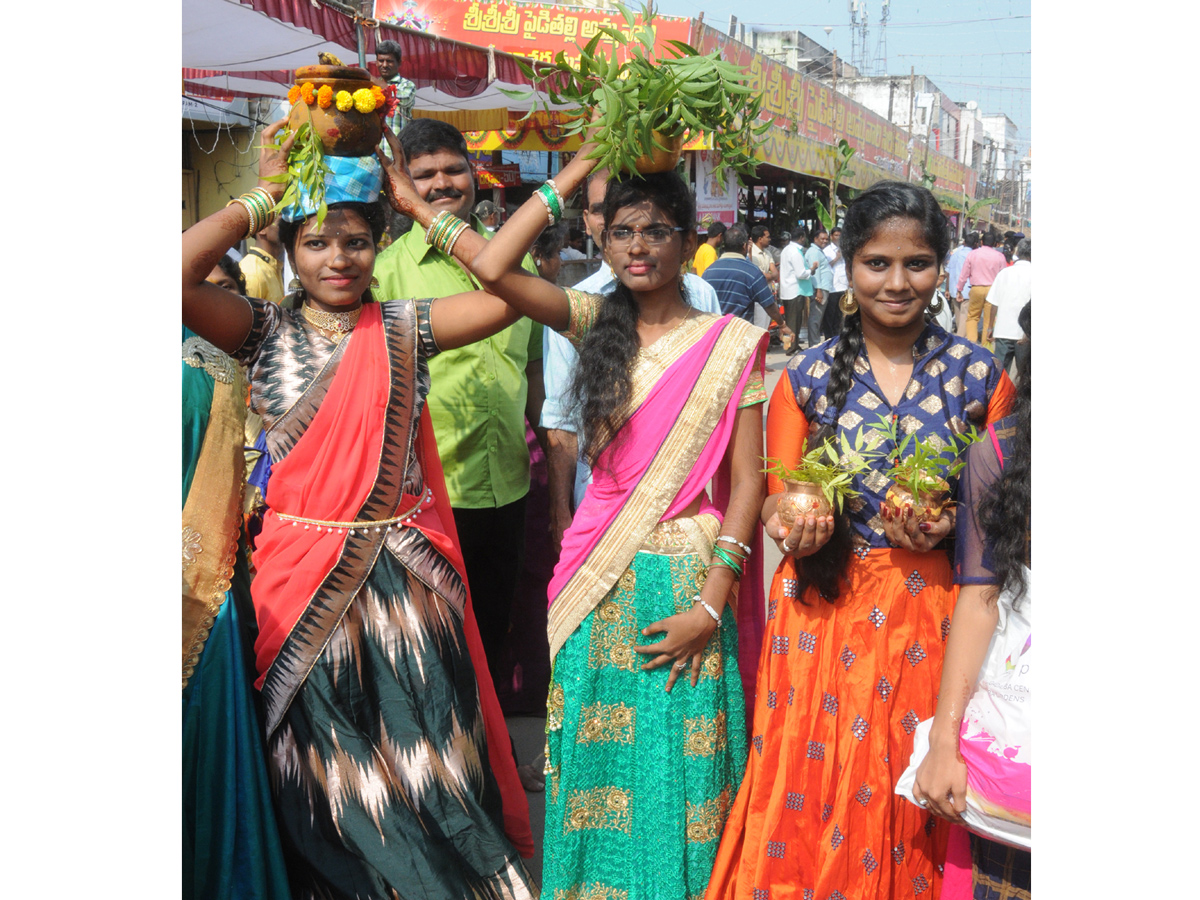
294	285
848	305
374	283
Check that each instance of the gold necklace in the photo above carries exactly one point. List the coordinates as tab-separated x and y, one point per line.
339	324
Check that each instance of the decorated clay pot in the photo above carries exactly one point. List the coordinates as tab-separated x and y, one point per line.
661	160
342	133
930	506
801	498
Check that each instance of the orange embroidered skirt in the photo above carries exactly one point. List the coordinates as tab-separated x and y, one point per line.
841	687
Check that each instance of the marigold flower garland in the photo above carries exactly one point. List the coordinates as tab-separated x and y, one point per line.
365	100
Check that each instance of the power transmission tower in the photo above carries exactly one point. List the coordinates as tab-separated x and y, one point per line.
881	46
860	50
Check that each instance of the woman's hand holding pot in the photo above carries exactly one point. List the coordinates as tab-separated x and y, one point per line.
905	529
273	161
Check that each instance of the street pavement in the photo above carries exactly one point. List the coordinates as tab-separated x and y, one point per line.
529	732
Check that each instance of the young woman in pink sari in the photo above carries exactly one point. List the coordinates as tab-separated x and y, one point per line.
642	768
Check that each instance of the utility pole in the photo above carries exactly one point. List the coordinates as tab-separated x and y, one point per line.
832	185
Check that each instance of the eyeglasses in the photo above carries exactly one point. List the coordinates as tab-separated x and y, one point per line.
650	234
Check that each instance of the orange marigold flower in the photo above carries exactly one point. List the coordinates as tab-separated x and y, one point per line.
325	96
307	91
379	95
293	93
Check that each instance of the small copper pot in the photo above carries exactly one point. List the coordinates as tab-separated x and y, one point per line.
801	498
932	503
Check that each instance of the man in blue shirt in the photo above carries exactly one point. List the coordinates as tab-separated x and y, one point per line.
739	283
822	283
568	475
953	269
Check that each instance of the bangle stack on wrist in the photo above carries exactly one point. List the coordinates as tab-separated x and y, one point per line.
444	231
552	200
258	205
731	559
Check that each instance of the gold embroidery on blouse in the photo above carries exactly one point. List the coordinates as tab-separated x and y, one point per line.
849	419
593	891
705	821
958	351
705	736
614	634
954	387
583	309
600	722
869	401
935	367
910	424
819	368
200	354
602	807
931	404
876	481
978	370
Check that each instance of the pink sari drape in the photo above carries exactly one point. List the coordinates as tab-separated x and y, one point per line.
618	478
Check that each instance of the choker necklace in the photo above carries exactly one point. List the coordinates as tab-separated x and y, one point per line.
339	324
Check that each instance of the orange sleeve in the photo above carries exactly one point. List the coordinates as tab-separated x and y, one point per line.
787	427
1001	402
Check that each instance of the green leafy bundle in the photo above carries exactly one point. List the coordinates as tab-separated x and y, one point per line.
824	466
644	98
307	169
929	463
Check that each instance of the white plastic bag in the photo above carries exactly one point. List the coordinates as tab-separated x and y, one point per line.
995	740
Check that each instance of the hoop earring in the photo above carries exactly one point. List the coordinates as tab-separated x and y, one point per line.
848	304
935	305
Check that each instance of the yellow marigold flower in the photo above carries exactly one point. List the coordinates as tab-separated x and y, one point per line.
307	91
325	96
344	101
293	93
364	100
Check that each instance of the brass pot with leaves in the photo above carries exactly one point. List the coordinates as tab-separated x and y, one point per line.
801	499
927	505
638	109
920	469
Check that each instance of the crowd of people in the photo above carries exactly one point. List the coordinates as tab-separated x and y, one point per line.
357	456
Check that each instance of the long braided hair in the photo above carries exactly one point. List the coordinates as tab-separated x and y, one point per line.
885	200
1004	510
603	381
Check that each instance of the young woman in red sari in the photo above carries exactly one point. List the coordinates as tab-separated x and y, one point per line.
646	722
860	605
389	760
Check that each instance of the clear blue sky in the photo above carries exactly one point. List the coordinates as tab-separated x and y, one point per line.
972	50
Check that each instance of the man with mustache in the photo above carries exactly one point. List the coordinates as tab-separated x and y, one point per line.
480	394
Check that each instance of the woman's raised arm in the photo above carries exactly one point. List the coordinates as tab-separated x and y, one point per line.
496	262
221	318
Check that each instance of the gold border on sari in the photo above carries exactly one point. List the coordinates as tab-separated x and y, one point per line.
212	514
664	477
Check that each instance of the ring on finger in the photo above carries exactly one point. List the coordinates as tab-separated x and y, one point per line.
683	665
786	548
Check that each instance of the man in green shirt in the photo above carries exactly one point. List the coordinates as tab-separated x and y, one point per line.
480	394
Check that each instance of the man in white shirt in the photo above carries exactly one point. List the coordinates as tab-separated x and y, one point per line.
831	322
795	286
568	476
1010	291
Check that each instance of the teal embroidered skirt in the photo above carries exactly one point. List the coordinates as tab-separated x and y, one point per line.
640	781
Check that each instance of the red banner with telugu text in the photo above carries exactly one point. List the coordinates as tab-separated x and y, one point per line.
535	30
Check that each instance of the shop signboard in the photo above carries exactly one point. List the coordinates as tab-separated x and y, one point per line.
811	118
534	30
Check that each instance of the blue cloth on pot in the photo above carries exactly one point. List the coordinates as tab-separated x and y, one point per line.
355	179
